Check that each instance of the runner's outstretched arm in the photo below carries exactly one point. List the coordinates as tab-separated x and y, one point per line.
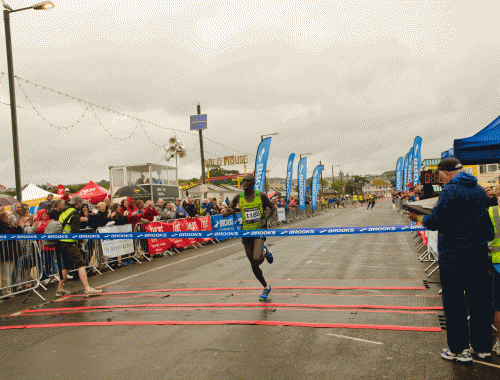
231	209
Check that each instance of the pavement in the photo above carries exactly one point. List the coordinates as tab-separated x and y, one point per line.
342	307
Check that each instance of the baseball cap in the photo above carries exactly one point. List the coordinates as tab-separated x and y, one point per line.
75	199
449	164
66	189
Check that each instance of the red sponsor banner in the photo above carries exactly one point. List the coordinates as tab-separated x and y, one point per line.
60	190
204	224
156	246
192	225
179	225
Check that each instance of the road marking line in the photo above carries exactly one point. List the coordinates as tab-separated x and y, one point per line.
163	266
486	363
350	337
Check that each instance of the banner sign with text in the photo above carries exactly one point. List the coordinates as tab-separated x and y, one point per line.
399	174
220	234
302	175
116	247
228	223
281	214
316	179
156	246
410	168
261	164
417	160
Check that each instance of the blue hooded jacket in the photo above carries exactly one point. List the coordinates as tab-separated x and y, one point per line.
462	220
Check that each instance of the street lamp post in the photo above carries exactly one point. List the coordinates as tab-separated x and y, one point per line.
10	68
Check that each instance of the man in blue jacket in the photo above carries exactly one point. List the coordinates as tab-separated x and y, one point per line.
462	220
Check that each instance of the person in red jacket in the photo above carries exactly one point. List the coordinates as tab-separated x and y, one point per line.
66	196
127	210
150	211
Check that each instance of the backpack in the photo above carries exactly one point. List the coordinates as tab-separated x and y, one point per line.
56	227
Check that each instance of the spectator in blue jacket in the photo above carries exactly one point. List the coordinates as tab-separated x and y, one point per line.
462	220
180	212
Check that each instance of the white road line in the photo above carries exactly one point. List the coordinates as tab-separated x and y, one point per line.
486	363
350	337
163	266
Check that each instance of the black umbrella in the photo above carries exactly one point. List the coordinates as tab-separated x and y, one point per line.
136	192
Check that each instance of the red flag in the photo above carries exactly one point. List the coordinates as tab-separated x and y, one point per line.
192	225
60	190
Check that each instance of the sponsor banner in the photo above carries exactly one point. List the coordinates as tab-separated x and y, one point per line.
289	177
399	174
180	225
405	172
122	246
156	246
417	160
302	175
204	224
191	225
316	179
281	214
432	242
410	167
229	223
261	164
219	234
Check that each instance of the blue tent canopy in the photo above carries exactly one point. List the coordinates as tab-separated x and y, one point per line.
482	148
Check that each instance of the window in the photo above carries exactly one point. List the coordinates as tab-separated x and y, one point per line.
492	168
482	169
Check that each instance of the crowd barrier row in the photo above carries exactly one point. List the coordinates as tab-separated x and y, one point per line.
424	239
26	264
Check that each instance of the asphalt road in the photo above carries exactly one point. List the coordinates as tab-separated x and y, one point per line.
320	284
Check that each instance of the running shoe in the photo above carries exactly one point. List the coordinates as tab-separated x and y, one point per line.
91	292
62	292
463	358
268	255
265	293
496	347
481	355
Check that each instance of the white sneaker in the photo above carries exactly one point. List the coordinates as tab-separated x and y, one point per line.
496	347
69	277
92	292
481	355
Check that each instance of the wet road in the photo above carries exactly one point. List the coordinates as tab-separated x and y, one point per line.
342	307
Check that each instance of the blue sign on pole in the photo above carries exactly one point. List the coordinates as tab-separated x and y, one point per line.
198	122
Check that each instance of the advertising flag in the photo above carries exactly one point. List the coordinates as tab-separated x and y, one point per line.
302	175
316	179
417	160
399	174
410	167
60	190
289	176
405	172
261	164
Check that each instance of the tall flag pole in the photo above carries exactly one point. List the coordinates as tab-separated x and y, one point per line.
261	163
417	160
316	178
289	176
302	175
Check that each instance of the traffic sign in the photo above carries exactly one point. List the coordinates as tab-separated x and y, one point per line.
198	122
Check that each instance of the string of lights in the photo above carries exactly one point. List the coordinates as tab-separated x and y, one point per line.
93	107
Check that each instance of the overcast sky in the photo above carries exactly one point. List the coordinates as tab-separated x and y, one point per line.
352	82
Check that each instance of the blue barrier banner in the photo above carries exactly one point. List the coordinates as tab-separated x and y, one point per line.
316	179
289	177
261	163
302	175
221	234
228	223
417	160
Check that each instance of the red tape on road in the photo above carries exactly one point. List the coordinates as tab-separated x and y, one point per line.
312	306
260	288
229	322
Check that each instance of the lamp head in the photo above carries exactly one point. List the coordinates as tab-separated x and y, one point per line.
44	5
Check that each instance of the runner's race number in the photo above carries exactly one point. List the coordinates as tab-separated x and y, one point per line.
252	215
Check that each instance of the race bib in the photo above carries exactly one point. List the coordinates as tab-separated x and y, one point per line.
252	215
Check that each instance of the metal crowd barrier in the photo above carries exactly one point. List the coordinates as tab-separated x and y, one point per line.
19	268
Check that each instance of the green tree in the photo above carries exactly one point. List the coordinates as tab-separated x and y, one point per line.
217	171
